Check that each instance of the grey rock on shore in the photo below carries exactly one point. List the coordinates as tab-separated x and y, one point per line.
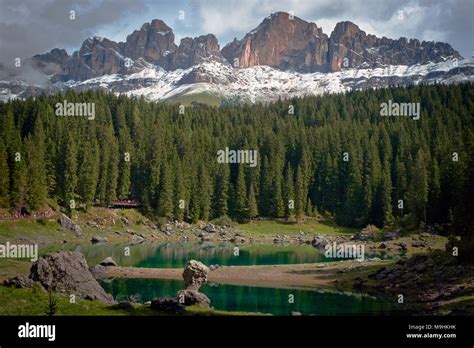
64	272
68	224
98	239
68	272
19	282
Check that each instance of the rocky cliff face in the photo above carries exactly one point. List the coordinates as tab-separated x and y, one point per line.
97	56
153	42
283	42
194	51
287	42
53	62
350	47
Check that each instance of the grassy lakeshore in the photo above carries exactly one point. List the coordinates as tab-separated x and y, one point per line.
35	302
114	224
126	224
265	228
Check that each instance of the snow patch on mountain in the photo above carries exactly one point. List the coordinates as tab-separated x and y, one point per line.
258	83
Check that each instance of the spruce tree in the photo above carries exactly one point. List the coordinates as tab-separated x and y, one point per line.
266	189
221	191
309	207
179	201
195	203
88	172
125	148
112	170
19	183
300	194
386	194
278	203
241	204
289	194
166	198
206	193
37	189
4	178
252	203
419	187
70	172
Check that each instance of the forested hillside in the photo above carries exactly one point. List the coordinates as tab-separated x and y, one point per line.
335	155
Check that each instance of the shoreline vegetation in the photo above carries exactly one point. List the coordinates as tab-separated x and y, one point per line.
345	275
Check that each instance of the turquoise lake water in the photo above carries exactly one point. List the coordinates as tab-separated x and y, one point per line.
231	297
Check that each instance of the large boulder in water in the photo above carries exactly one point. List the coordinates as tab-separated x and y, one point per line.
68	272
193	297
195	274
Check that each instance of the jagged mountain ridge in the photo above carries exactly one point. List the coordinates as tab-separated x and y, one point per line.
282	42
287	43
153	44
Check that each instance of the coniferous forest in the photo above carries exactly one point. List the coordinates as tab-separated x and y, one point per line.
335	155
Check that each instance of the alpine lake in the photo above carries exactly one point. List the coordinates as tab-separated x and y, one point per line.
234	298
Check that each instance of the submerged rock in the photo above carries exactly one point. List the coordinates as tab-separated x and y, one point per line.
195	274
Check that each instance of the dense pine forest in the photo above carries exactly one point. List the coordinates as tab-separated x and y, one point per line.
332	155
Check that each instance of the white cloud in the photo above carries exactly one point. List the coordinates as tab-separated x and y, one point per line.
229	16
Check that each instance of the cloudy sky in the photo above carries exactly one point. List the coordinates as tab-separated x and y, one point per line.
28	27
